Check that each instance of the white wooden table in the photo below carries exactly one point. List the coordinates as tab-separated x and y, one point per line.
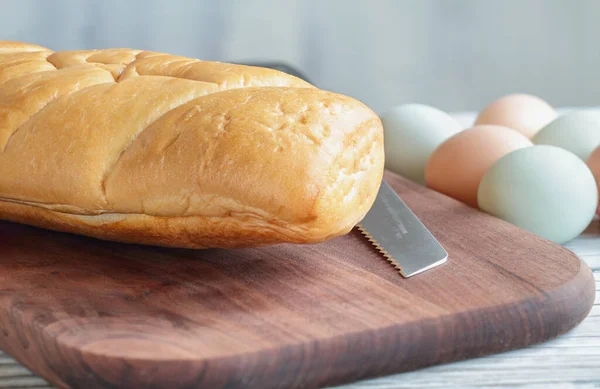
571	361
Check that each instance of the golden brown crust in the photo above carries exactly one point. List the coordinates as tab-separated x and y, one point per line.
19	47
152	148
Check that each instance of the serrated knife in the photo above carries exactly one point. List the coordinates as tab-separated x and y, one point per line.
400	236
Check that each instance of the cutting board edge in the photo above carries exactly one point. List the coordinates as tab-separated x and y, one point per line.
342	352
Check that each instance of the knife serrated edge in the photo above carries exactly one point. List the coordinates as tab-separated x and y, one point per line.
383	252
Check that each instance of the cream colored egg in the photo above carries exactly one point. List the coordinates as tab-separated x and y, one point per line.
457	166
578	132
525	113
411	133
543	189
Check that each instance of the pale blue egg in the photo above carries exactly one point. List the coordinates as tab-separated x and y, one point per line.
578	132
411	133
546	190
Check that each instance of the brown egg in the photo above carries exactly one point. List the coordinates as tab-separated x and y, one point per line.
525	113
593	163
457	166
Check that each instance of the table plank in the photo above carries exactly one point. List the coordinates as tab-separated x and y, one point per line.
587	245
570	361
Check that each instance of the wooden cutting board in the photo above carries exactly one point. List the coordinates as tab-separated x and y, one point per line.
85	313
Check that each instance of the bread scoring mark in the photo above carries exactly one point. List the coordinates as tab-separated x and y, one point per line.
13	65
47	103
108	171
64	59
170	143
188	115
114	70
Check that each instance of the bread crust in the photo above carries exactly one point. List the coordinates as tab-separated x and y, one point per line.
151	148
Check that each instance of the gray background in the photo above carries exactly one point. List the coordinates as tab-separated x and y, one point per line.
453	54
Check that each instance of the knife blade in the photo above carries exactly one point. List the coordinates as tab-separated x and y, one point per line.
400	236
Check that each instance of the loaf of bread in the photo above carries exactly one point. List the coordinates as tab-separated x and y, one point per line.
150	148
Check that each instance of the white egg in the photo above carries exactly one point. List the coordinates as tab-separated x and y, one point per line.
543	189
578	132
411	133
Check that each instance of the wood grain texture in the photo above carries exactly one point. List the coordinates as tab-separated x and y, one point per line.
571	361
92	314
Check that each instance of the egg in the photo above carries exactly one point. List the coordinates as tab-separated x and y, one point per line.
525	113
593	163
543	189
411	133
457	166
578	132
